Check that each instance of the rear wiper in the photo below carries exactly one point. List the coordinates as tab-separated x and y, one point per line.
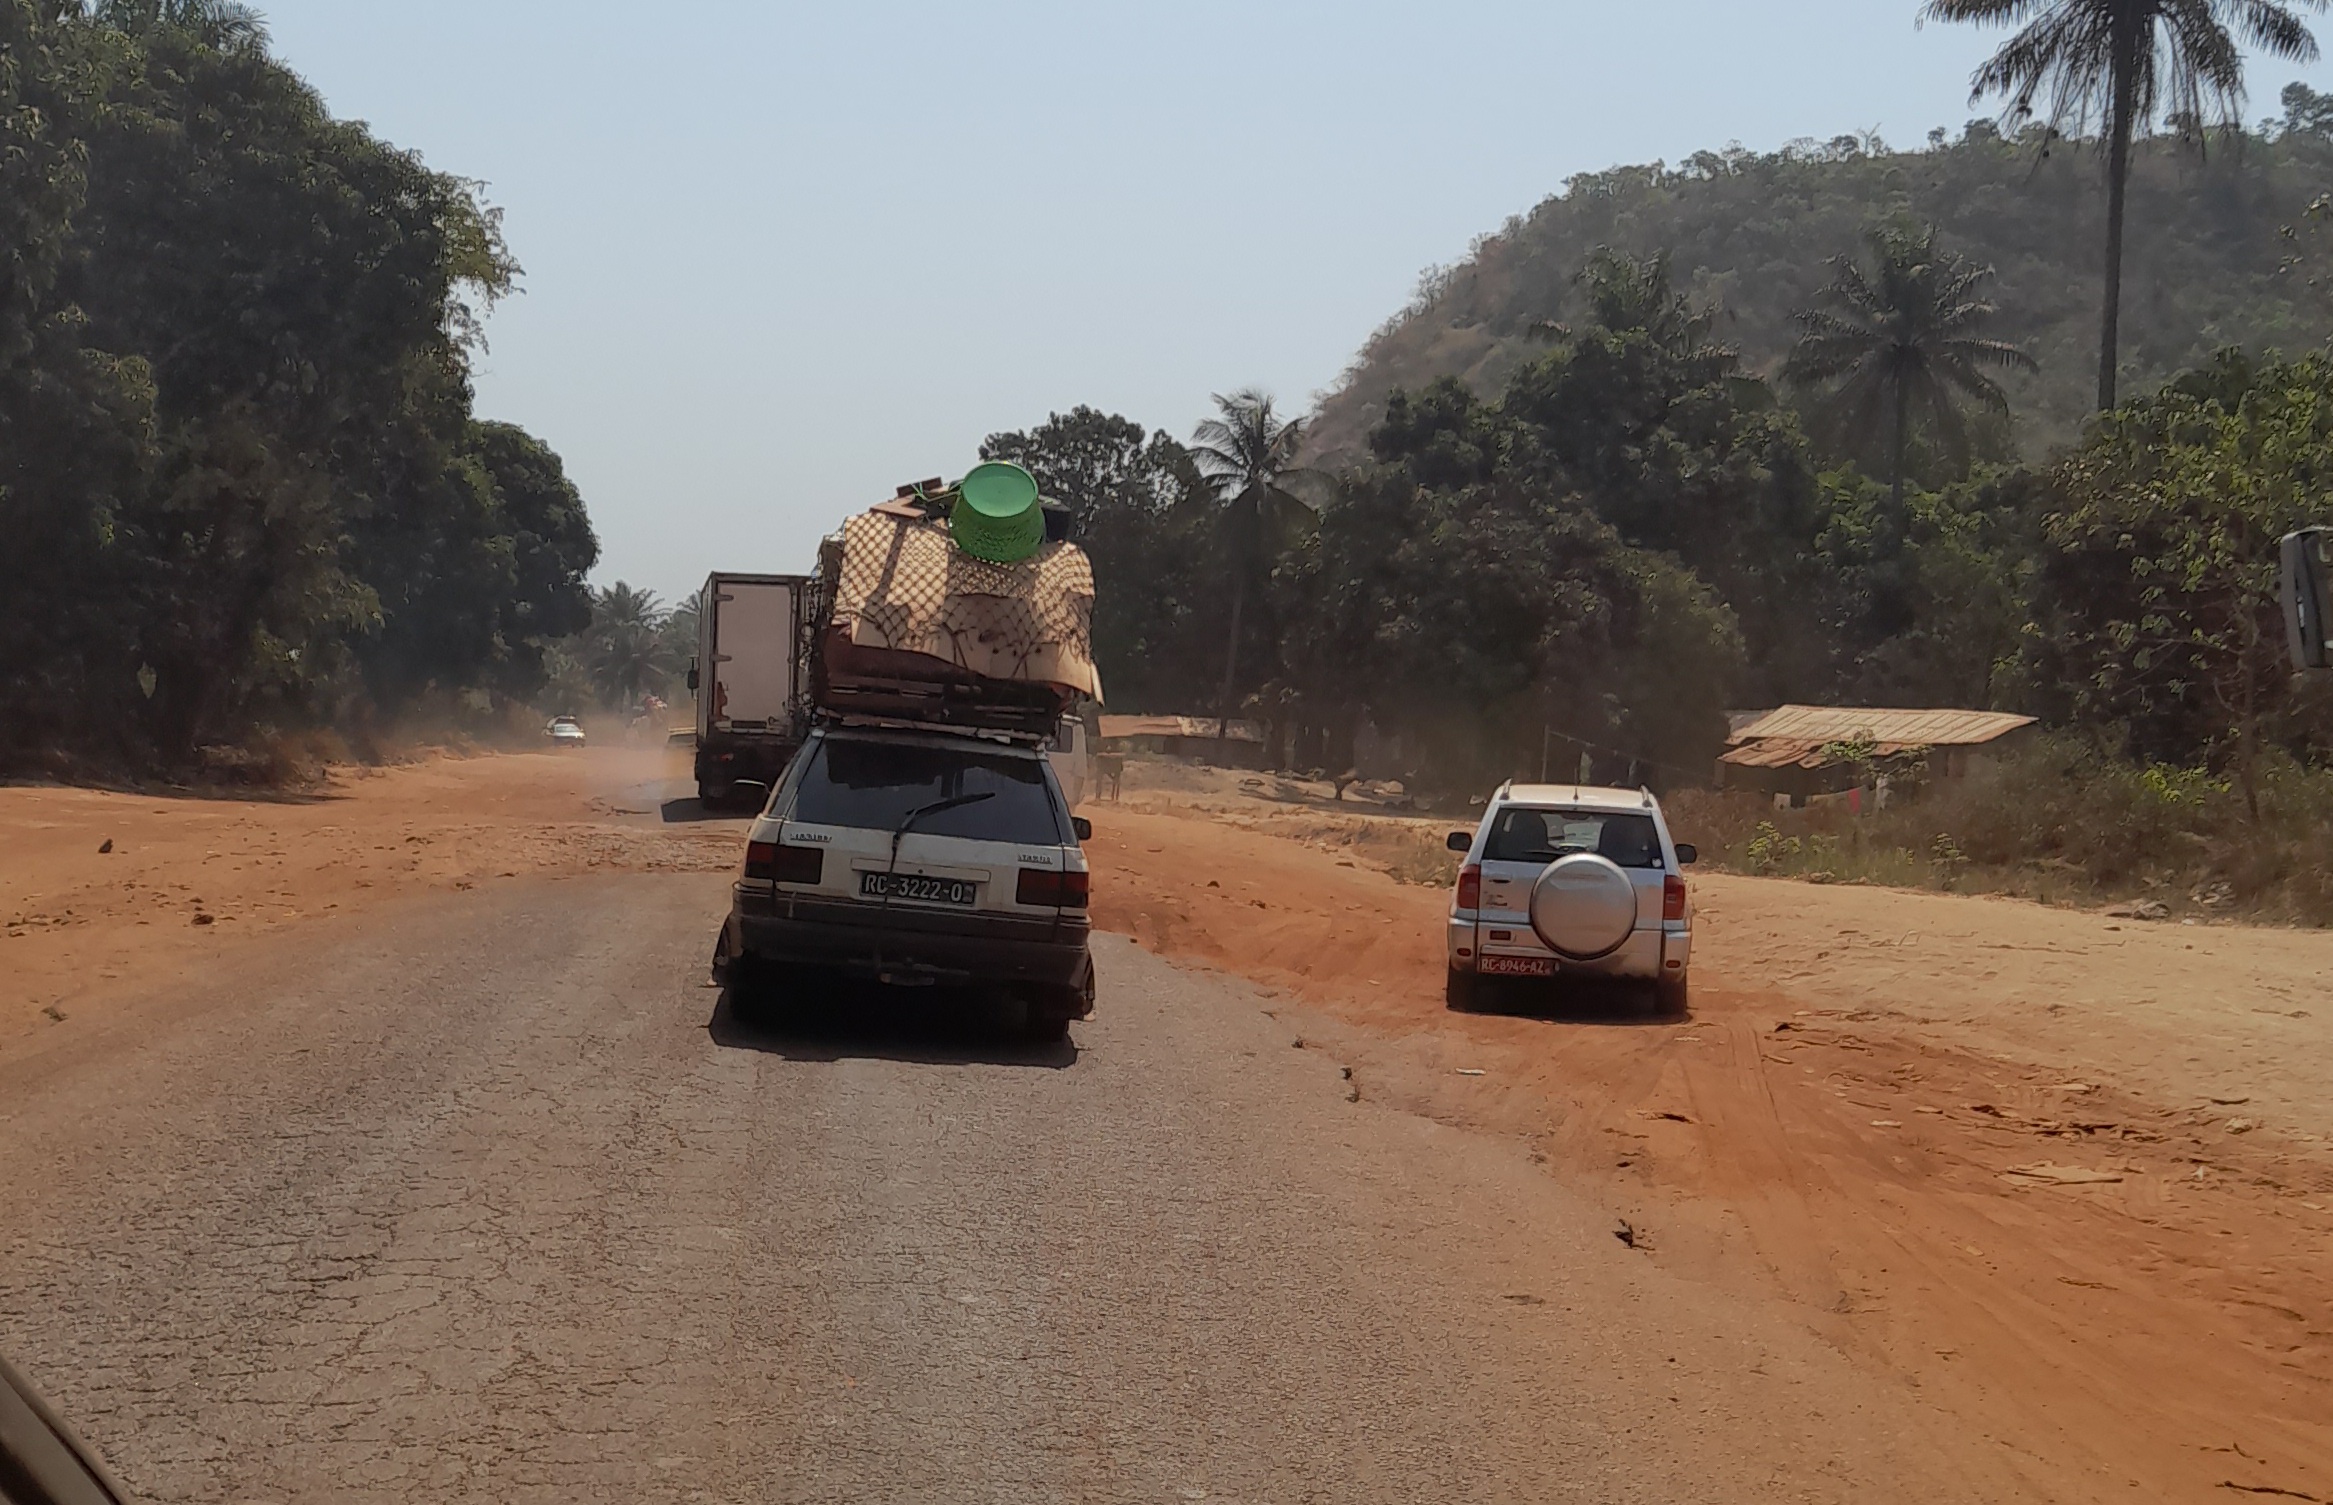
899	832
891	873
935	807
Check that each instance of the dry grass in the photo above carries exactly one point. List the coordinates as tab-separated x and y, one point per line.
2057	823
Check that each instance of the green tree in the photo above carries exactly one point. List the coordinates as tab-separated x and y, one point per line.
221	25
239	470
2306	111
625	650
1250	454
1467	618
1898	346
2124	63
1639	415
2155	601
1147	519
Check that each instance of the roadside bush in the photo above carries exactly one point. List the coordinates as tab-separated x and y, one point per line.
2056	821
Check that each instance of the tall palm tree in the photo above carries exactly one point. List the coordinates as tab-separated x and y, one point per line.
2124	63
1249	454
1900	341
625	650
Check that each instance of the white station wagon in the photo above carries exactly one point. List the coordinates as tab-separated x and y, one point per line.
1565	881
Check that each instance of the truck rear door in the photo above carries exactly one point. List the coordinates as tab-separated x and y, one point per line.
749	681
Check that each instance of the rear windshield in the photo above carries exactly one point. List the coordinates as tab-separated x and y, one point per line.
876	785
1521	835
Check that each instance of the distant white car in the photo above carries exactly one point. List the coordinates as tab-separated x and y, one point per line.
563	732
1563	881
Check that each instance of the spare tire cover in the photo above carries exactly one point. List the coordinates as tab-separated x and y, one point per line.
1583	906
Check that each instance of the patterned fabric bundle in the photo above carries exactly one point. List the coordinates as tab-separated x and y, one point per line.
903	587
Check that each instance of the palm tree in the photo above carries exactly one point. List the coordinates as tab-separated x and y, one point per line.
1248	453
1901	341
625	648
2124	62
222	24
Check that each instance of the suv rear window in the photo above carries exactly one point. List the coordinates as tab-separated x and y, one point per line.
874	785
1521	834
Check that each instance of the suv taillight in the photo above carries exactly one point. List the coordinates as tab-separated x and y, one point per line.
1470	888
1044	888
769	861
1672	897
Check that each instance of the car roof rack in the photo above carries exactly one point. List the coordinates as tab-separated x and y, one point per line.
861	721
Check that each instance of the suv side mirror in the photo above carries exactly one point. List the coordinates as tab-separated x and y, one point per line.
1083	827
692	677
1687	854
1459	841
2302	594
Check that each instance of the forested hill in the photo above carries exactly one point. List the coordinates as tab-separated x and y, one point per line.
1748	234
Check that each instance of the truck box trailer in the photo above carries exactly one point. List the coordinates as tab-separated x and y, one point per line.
753	639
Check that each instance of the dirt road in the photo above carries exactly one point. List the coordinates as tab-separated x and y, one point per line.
2069	1176
422	1168
102	893
487	1200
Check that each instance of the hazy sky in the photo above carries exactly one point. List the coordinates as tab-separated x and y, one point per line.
781	257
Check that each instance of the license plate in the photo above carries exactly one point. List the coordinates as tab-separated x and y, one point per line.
1517	966
921	890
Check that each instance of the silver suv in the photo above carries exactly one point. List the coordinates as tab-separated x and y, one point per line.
1565	881
913	858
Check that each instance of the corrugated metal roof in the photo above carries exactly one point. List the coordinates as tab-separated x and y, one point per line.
1799	752
1178	726
1817	724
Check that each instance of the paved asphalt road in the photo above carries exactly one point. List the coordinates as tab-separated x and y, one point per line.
486	1199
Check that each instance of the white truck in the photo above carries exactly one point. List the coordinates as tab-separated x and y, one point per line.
753	640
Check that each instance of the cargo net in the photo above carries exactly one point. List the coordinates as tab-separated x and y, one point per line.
903	586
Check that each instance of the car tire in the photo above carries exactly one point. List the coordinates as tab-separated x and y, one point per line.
1052	1009
1672	996
713	796
753	991
1458	991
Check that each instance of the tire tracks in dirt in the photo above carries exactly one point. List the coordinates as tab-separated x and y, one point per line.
1856	1162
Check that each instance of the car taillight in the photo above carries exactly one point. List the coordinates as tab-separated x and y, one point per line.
1672	897
1045	888
782	864
1470	888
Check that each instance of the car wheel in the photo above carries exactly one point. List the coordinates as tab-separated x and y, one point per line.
1047	1029
1052	1009
1458	990
753	991
1672	996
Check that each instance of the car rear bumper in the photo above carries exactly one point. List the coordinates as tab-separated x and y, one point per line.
1648	954
907	944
